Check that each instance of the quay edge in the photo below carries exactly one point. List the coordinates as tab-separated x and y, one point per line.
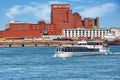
47	43
40	43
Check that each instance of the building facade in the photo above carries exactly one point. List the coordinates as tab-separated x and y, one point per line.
86	33
61	18
116	32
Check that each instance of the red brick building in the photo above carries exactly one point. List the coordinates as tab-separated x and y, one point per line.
61	18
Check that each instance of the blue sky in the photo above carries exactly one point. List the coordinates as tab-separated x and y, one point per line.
32	11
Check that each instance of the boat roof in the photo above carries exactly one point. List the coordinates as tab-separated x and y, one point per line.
90	41
79	42
94	41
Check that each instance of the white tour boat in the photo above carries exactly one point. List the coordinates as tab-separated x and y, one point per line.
83	48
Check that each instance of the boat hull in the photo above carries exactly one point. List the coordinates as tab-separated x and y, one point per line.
77	54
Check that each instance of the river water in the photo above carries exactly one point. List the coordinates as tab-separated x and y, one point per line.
38	63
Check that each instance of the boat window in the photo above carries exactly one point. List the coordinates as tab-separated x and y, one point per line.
63	49
90	44
94	50
59	49
79	50
56	49
66	49
94	43
75	49
100	44
69	49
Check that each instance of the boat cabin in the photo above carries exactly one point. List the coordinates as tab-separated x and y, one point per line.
76	49
90	43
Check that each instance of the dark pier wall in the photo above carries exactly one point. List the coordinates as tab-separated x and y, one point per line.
41	43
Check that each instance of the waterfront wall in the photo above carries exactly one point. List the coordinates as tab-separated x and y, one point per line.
46	43
40	43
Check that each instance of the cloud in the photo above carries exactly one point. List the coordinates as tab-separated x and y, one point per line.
38	10
75	0
55	2
41	11
100	10
83	1
13	11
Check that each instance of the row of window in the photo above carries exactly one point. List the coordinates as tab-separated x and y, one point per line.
85	33
75	32
76	49
90	30
69	31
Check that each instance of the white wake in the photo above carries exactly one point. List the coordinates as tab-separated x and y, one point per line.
115	53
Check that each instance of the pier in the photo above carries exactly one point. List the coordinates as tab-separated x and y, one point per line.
37	43
45	43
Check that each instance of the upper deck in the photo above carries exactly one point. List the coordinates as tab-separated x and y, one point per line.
90	43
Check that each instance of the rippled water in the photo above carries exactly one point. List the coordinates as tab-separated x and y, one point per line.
37	63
